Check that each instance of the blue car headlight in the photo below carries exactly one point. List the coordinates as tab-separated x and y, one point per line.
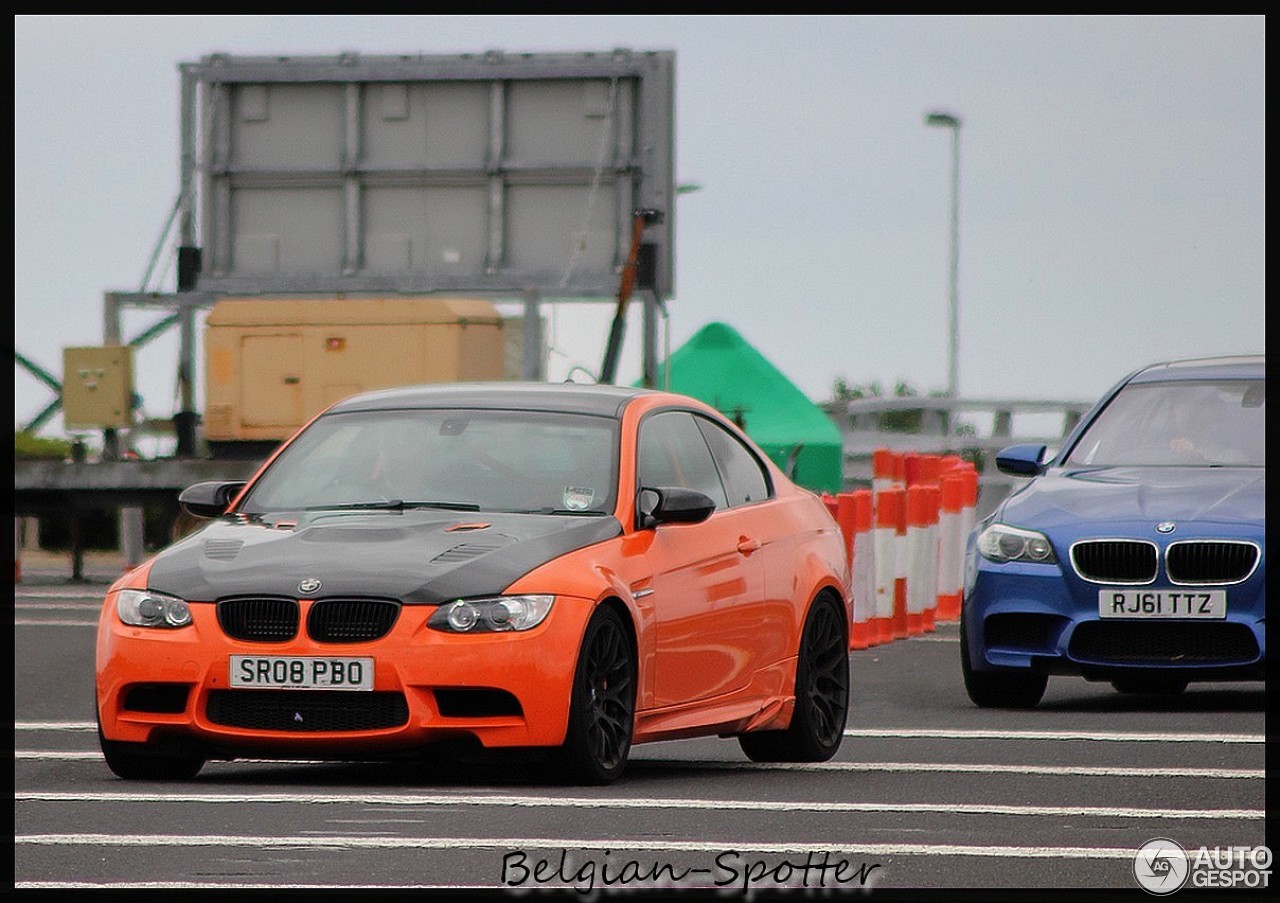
491	615
1000	542
144	608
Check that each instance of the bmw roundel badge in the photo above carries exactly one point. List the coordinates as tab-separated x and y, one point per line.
311	584
1166	526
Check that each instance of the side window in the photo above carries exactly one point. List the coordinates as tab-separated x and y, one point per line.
674	453
745	479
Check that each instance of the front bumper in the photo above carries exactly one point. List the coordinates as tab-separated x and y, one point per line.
498	689
1031	617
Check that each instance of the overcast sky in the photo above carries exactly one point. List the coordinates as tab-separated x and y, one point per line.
1112	185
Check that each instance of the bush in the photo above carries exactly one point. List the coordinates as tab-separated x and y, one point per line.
30	446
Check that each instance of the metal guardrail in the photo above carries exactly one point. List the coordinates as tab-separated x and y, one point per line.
42	487
56	488
947	426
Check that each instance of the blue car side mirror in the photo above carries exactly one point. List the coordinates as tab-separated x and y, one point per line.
1021	460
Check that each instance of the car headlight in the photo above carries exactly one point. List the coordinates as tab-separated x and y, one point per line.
491	615
1000	542
143	608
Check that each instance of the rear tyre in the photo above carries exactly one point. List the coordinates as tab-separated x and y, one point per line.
144	762
1157	685
822	694
999	689
603	706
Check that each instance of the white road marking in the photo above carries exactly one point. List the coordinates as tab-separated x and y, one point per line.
1088	771
542	802
270	842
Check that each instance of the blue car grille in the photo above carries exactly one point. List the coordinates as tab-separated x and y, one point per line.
1210	561
1115	560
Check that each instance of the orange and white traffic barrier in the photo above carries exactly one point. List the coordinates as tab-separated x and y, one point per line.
918	540
900	567
968	508
857	511
922	557
889	505
949	463
911	468
933	510
844	514
968	516
886	469
951	540
921	469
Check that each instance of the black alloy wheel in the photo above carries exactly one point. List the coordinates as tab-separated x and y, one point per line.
603	707
822	694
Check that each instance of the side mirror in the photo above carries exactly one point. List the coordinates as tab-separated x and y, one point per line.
209	499
672	505
1021	460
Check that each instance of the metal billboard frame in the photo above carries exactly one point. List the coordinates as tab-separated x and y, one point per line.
640	169
647	174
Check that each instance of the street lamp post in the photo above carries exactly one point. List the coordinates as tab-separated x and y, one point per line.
949	121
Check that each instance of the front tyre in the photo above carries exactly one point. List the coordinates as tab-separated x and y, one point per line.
822	694
603	706
144	762
1000	689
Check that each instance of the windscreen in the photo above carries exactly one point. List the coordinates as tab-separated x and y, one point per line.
481	460
1204	422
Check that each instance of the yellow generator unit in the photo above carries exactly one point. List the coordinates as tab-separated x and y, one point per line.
273	363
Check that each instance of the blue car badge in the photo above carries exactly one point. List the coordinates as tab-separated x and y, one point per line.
311	584
1166	526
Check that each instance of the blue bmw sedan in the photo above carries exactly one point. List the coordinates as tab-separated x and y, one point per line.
1137	553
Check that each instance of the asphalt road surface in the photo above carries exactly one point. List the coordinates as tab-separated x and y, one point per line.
927	791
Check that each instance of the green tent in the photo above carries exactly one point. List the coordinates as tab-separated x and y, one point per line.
719	367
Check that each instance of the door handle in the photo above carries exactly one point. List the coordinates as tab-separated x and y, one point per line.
747	545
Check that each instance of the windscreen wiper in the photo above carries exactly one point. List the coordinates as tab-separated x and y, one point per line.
395	505
576	512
